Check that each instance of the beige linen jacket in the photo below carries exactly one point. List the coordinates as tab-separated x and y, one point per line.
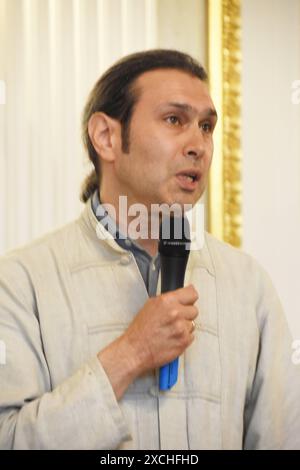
66	296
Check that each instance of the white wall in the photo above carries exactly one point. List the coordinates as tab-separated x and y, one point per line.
271	144
181	24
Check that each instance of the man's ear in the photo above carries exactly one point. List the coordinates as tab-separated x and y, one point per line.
105	135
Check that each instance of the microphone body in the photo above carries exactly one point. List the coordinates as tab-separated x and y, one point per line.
174	253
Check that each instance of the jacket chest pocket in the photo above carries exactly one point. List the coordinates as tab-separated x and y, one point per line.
108	297
100	336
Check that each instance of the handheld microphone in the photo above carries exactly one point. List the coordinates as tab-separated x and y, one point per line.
174	245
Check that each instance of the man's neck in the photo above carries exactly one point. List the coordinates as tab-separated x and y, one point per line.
128	226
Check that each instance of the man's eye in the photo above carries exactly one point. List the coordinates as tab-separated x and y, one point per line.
173	120
207	127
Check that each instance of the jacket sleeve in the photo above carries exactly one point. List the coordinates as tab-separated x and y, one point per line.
272	414
81	413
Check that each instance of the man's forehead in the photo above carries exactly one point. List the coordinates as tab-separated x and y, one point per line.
166	77
170	85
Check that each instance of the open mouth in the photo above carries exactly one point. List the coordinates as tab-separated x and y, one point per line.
188	179
191	175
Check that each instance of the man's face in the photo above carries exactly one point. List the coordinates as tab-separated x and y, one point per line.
170	138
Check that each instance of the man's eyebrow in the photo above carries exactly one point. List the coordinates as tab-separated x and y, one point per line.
188	108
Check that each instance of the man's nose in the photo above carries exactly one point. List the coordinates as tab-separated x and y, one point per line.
194	145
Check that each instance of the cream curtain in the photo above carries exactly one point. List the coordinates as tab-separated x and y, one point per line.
52	51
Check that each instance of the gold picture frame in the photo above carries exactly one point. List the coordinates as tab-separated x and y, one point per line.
224	69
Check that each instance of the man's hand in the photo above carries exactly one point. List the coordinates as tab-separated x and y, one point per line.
160	332
163	329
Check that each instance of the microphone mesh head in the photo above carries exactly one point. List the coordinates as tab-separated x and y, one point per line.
174	236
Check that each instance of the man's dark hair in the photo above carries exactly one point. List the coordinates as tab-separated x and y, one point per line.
115	95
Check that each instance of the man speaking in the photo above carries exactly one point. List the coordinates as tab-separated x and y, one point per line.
86	328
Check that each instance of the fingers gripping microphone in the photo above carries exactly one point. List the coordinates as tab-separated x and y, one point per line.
174	245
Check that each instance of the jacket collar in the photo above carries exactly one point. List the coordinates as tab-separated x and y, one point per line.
199	255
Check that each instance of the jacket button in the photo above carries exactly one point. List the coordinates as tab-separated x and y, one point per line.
125	260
